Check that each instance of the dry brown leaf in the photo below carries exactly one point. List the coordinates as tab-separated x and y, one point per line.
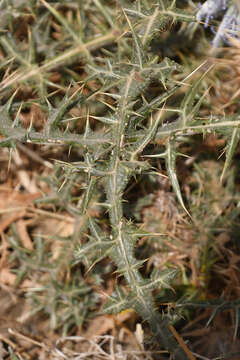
7	220
13	206
101	325
7	277
3	251
23	234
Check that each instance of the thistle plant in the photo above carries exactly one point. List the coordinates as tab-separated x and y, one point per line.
127	120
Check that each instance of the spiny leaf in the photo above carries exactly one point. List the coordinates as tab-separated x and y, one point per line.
93	251
96	231
88	194
213	314
96	248
236	316
149	134
116	303
171	154
139	54
230	149
55	115
135	265
5	119
163	278
63	21
106	120
187	103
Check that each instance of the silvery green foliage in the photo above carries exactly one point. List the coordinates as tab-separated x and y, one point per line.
229	10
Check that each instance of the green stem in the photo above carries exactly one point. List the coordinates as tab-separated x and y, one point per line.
123	247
